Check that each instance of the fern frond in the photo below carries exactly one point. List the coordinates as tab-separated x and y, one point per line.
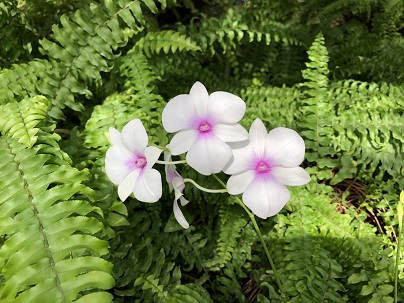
19	119
50	252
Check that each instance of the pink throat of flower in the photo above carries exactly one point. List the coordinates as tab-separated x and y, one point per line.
262	167
137	162
204	127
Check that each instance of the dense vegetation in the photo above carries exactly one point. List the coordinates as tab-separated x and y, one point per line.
332	70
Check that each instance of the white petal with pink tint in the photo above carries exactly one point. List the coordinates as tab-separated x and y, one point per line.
265	198
116	164
294	176
243	153
258	135
226	107
148	187
178	113
285	147
128	185
115	137
134	136
200	98
237	184
230	132
152	154
182	141
208	155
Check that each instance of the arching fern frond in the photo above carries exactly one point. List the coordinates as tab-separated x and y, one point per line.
19	119
51	252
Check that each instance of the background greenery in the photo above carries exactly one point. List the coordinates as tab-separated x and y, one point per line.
332	70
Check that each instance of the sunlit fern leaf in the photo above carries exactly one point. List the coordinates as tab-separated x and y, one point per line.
51	253
190	293
19	119
166	41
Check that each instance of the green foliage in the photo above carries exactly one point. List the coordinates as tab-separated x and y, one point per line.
70	70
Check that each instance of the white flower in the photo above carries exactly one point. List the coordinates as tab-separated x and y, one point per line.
129	162
264	165
176	183
204	124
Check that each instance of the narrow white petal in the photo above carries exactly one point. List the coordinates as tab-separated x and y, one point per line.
237	184
115	137
208	155
284	147
152	154
128	184
148	187
258	135
293	176
182	141
265	197
134	136
179	215
242	160
230	132
200	98
183	201
115	164
178	113
226	107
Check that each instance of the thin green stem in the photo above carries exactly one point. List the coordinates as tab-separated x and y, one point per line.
171	162
257	229
213	191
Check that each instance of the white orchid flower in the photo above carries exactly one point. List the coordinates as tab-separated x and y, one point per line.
262	167
204	124
129	162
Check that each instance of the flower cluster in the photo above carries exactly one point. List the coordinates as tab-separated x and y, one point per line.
206	130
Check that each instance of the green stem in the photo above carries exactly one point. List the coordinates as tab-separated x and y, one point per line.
257	229
171	162
213	191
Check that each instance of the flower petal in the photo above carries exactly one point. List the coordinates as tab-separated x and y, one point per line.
152	154
208	155
230	132
182	141
226	107
179	215
134	136
242	160
115	137
115	164
293	176
237	184
148	187
258	135
200	98
265	197
127	186
284	147
178	113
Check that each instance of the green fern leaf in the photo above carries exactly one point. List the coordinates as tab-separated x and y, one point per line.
19	120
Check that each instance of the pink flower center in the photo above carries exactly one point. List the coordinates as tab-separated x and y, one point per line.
204	127
137	162
262	168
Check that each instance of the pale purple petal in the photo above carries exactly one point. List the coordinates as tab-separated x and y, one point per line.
128	184
178	113
116	166
230	132
179	215
237	184
208	155
242	160
226	107
284	147
148	187
182	141
115	137
293	176
134	136
265	197
152	154
200	98
178	185
258	135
